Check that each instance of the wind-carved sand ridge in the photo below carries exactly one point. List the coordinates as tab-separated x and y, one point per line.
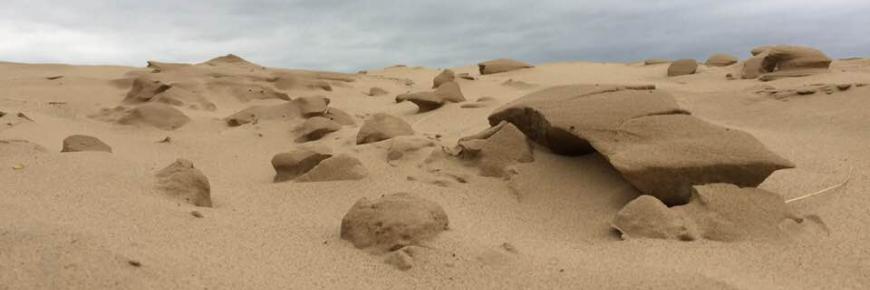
226	174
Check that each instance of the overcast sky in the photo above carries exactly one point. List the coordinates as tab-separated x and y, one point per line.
353	35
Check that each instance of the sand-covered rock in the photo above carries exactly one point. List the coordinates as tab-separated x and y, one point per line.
78	143
297	162
377	91
312	106
428	101
450	92
339	116
654	61
770	59
443	77
273	112
157	115
382	126
182	181
335	168
144	89
315	128
501	65
719	212
401	145
657	146
721	59
647	217
682	67
393	221
496	148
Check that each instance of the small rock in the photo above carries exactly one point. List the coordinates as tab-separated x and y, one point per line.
78	143
393	221
376	91
720	59
654	61
804	92
445	76
404	144
196	214
844	87
682	67
315	128
648	217
312	106
339	167
293	164
382	126
181	180
400	260
501	65
54	77
25	117
165	140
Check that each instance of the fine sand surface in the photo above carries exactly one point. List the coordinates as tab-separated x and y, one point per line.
96	219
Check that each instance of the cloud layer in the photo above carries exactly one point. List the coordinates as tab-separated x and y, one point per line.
353	35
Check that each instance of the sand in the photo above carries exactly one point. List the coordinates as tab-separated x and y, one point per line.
99	220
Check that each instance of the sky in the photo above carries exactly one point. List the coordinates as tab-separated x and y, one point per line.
357	35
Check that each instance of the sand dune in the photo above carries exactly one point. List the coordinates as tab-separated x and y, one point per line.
227	174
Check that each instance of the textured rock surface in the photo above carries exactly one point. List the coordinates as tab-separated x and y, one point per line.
393	221
496	148
315	128
338	167
720	59
443	77
781	58
297	162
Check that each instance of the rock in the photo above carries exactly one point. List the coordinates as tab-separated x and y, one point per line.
158	115
450	92
400	259
841	87
425	101
445	76
297	162
805	91
338	167
382	126
682	67
726	212
654	61
466	76
315	128
496	148
501	65
393	221
78	143
401	145
182	181
720	59
376	91
768	59
2	114
144	89
339	116
647	217
312	106
657	146
288	110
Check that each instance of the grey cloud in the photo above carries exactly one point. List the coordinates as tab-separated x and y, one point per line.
352	35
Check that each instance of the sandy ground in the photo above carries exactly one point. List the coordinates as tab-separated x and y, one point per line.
81	220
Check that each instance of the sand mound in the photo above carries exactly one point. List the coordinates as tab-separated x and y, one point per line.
443	77
144	89
290	81
229	59
501	65
157	66
312	106
769	59
297	162
393	221
401	145
78	143
157	115
653	61
17	148
377	91
382	126
721	59
182	181
243	89
315	128
645	135
682	67
338	167
496	148
254	113
720	212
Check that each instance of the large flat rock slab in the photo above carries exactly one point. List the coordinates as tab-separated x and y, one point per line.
658	147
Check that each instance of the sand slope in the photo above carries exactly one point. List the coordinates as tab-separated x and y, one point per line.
88	220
